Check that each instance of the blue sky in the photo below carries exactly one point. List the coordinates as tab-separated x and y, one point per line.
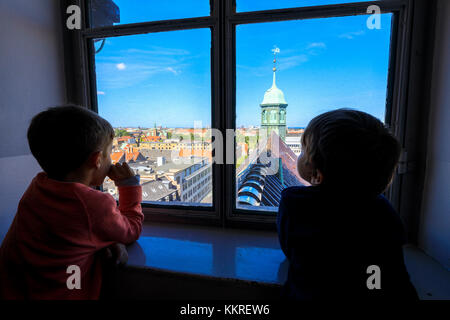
164	78
252	5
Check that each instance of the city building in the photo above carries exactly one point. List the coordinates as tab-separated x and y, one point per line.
129	155
160	190
192	178
198	185
158	145
258	184
294	141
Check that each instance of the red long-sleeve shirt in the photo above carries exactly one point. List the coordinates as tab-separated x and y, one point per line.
59	224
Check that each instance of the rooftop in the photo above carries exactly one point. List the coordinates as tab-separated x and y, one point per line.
179	165
257	187
157	189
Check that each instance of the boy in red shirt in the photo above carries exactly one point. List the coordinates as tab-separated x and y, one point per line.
52	249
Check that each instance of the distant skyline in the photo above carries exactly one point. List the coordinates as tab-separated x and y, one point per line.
167	127
164	78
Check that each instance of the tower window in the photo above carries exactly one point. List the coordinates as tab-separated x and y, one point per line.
303	69
264	74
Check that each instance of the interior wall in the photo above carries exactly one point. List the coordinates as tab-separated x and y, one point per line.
31	79
434	235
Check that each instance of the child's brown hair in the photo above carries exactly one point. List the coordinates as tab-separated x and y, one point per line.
352	149
62	138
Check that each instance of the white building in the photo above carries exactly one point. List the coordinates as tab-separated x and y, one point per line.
197	185
160	161
294	142
193	180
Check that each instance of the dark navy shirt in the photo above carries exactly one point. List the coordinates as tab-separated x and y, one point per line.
330	241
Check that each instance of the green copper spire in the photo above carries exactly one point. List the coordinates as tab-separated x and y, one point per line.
274	95
273	107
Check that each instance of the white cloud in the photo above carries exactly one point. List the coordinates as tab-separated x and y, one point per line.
141	66
284	63
170	69
292	61
316	45
134	74
121	66
351	35
160	51
101	93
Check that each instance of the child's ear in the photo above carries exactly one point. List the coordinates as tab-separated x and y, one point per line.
95	159
316	178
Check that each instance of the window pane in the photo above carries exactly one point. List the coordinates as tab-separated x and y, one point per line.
155	90
113	12
321	64
251	5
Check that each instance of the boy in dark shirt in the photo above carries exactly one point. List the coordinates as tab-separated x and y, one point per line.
342	238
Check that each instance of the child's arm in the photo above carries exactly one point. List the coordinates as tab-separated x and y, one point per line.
111	223
118	252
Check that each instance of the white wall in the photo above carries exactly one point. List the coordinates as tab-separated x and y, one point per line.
434	235
31	79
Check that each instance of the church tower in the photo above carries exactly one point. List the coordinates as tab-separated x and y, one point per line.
273	107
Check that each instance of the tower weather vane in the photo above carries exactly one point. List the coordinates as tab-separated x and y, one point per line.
275	50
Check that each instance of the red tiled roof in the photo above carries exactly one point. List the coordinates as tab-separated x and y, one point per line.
288	157
151	139
124	138
132	156
116	156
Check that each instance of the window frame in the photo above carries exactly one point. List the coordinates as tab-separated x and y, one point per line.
154	211
398	54
81	89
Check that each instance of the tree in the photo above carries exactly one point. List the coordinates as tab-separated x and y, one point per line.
121	132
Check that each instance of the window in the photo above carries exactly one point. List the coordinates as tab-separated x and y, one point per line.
172	88
155	85
315	65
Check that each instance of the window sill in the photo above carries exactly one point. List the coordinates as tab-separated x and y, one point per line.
173	261
210	252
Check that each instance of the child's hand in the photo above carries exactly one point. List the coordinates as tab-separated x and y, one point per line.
119	172
118	252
